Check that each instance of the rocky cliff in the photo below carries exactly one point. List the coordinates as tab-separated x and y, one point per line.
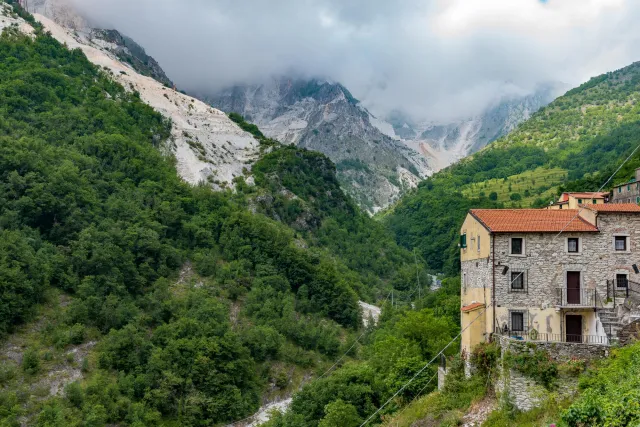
373	167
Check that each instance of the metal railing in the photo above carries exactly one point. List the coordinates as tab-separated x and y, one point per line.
577	297
565	338
622	289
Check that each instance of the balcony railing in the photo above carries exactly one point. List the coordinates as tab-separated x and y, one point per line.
577	297
544	337
622	288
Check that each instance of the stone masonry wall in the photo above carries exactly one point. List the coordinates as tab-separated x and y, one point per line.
524	392
629	333
546	261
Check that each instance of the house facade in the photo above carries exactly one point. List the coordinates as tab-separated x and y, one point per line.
628	192
575	200
548	275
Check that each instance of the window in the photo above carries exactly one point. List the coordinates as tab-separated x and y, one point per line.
638	200
579	201
517	321
478	243
594	201
628	188
517	246
622	280
463	241
619	189
621	243
573	245
517	281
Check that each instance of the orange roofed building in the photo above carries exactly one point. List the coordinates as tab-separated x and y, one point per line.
575	200
549	274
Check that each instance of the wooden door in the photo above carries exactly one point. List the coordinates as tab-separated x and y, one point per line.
573	287
574	328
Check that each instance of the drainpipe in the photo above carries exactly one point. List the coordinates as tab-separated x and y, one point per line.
493	289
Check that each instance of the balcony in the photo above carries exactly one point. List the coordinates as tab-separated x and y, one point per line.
564	338
577	298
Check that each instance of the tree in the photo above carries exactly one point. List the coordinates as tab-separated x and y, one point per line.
340	413
515	197
493	196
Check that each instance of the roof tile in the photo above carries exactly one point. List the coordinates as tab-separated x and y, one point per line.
532	220
615	207
471	307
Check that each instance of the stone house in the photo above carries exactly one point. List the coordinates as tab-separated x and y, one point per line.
629	192
548	275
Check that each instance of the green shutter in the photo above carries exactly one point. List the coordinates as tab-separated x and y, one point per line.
463	241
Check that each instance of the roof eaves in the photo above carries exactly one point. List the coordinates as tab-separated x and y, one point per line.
480	221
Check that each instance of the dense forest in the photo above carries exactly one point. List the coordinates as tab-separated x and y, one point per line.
584	135
129	297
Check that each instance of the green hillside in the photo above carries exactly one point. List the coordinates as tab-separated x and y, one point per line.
575	143
128	297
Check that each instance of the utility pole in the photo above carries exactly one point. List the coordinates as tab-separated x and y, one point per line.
415	257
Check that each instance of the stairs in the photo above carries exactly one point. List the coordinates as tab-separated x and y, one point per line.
610	322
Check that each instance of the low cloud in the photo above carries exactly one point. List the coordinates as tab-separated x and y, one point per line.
435	59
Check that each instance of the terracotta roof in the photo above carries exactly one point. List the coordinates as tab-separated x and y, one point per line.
594	195
532	220
615	207
471	307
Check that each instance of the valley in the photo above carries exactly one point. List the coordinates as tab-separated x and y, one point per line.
200	259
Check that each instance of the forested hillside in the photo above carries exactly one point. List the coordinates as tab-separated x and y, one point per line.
576	143
130	297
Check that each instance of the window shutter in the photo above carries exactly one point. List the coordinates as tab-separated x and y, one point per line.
463	241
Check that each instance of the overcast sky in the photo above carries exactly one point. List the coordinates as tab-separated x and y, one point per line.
436	59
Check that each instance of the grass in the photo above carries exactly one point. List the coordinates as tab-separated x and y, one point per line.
539	183
444	408
545	415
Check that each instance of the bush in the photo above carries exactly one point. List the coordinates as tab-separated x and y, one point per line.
484	358
534	363
31	361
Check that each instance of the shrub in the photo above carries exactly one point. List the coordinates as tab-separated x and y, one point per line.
484	357
534	363
31	361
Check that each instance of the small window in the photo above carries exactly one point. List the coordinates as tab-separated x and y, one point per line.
621	243
579	201
594	201
628	188
517	246
573	245
619	189
638	200
463	241
622	280
517	281
517	321
478	243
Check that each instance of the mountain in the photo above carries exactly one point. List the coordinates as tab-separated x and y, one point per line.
124	48
575	143
133	296
449	142
373	168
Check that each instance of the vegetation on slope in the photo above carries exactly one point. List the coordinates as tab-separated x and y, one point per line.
186	305
587	132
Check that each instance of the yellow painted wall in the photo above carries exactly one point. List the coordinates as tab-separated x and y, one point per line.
550	321
473	229
475	334
573	202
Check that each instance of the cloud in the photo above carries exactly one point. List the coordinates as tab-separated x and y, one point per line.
436	59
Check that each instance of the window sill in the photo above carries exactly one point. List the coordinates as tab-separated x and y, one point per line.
622	252
574	253
518	255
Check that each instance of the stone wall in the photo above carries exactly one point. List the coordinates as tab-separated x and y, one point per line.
523	391
629	333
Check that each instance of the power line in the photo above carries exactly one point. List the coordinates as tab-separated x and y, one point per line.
485	309
423	368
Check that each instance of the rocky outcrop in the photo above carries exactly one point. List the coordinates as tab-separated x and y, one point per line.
452	141
373	168
207	145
